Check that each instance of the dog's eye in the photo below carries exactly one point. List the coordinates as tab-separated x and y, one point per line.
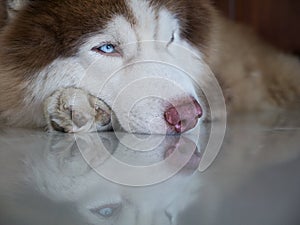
106	211
107	49
172	38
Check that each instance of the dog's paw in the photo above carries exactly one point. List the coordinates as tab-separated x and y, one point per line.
73	110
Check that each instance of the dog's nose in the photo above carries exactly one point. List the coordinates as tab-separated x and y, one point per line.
184	117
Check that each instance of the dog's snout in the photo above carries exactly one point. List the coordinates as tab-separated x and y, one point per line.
184	117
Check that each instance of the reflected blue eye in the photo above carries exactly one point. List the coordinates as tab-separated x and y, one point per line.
106	212
107	48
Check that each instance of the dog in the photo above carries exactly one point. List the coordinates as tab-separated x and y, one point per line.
146	65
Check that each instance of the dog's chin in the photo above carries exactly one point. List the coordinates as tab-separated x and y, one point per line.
145	128
154	131
142	127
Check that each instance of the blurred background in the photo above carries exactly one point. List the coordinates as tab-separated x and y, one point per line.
276	21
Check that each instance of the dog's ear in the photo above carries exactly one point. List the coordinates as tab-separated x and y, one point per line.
9	9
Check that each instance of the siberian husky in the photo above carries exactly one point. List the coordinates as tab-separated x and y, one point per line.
77	66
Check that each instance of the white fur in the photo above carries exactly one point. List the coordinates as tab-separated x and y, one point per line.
164	71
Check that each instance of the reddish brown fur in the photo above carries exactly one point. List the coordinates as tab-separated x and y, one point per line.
44	31
49	29
253	74
3	14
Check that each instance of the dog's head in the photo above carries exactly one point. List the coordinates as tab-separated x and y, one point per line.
144	58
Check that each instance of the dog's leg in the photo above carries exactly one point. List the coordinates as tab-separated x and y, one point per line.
73	110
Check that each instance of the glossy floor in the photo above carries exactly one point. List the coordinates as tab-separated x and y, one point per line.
59	179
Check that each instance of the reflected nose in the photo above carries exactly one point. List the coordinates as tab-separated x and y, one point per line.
185	116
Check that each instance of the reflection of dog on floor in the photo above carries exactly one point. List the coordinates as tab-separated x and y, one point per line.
62	175
142	58
54	171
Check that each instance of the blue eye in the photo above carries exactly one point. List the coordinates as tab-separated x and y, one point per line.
107	48
106	211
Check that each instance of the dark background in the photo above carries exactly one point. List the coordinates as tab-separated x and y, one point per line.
276	21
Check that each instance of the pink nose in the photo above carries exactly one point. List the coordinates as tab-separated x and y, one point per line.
184	117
